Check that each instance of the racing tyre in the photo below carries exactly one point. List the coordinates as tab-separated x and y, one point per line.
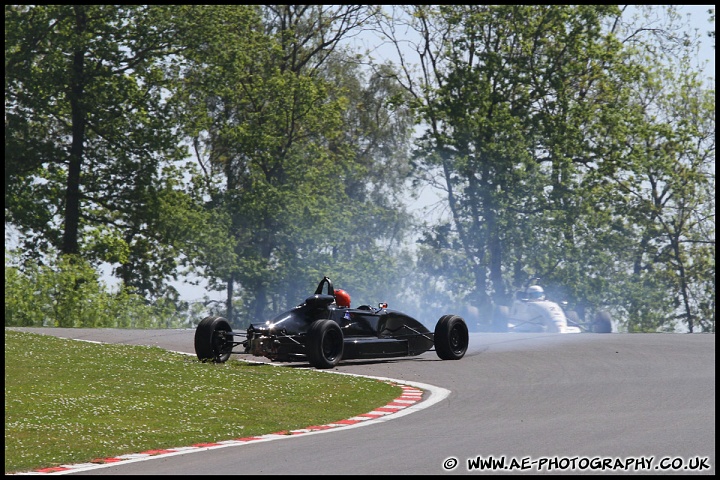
324	344
602	323
451	337
211	343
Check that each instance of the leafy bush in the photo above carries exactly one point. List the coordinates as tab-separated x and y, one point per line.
69	293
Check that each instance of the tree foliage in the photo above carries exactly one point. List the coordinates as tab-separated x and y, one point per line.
86	134
283	132
251	147
68	293
528	110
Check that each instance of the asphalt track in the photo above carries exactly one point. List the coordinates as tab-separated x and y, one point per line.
602	403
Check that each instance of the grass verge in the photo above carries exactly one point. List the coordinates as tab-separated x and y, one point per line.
71	402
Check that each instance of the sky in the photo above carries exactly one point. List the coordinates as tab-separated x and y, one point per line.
697	19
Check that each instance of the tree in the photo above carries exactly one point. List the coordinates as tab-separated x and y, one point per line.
86	133
659	172
527	111
498	82
268	107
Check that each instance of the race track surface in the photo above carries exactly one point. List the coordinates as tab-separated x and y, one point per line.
605	403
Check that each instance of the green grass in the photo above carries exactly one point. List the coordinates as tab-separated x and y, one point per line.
71	402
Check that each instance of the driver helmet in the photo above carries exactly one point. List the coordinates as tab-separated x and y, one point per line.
535	292
342	298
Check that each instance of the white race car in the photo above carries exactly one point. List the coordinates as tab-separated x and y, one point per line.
531	312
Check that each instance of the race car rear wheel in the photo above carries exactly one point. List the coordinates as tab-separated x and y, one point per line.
211	343
451	337
324	344
602	323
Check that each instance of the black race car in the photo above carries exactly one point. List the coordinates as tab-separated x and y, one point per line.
322	333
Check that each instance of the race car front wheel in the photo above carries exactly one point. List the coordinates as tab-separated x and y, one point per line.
573	319
324	344
211	343
451	337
